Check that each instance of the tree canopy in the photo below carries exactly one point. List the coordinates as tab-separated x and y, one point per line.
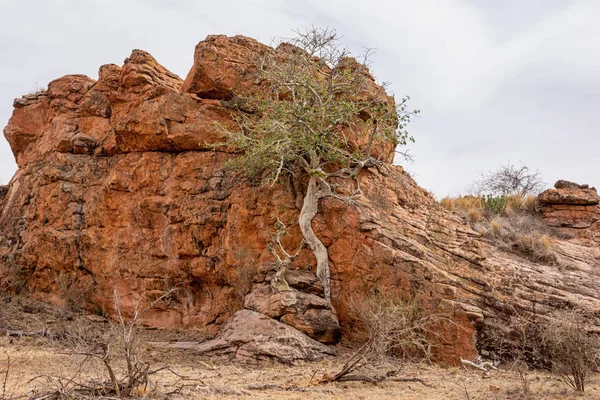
314	112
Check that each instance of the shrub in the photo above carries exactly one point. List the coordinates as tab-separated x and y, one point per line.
572	352
559	343
396	328
494	205
511	180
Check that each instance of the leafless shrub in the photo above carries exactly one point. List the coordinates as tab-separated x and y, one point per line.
117	348
572	352
396	329
559	342
14	278
511	180
74	292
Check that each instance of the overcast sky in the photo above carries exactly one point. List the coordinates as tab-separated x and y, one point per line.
495	80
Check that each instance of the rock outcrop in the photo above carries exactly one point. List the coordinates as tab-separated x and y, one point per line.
120	187
570	205
300	303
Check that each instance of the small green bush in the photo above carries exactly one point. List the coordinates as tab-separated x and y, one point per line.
495	205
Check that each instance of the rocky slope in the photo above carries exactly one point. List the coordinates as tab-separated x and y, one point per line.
120	189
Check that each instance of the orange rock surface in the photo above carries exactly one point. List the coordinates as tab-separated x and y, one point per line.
120	189
571	206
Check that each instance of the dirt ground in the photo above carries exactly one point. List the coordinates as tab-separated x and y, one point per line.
42	365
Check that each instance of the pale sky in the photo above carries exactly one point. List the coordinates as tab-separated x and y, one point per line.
495	80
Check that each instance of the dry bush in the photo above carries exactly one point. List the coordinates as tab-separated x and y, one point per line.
571	351
75	292
511	180
559	342
14	278
396	329
118	351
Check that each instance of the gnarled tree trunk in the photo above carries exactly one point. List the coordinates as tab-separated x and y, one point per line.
308	212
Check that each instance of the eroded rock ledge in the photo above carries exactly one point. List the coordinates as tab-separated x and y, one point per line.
570	205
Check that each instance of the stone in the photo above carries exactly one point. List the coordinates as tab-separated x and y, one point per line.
572	196
306	312
571	206
563	184
224	68
254	338
318	323
301	304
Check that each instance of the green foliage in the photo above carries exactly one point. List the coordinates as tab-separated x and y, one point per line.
495	205
316	104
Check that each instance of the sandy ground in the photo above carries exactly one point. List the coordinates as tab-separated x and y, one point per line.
41	365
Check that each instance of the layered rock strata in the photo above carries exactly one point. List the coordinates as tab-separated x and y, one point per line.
570	205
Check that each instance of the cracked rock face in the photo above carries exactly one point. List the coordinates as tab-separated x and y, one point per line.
120	188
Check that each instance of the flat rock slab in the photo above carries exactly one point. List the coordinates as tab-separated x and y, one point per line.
253	338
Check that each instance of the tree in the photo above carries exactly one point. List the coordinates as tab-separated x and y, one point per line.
511	180
306	126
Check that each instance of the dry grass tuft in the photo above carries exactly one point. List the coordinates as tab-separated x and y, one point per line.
520	204
461	204
523	234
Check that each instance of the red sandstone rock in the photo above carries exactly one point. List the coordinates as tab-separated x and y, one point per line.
570	205
224	68
116	190
574	196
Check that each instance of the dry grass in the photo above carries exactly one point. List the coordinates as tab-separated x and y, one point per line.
463	205
523	234
39	364
201	379
518	229
519	204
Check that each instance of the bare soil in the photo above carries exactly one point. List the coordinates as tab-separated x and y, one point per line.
41	365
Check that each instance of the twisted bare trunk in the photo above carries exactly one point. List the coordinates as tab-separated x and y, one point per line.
308	212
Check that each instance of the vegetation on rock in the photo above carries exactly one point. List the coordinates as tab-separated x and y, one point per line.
307	127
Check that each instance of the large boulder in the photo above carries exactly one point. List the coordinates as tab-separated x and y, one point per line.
120	188
570	205
251	337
